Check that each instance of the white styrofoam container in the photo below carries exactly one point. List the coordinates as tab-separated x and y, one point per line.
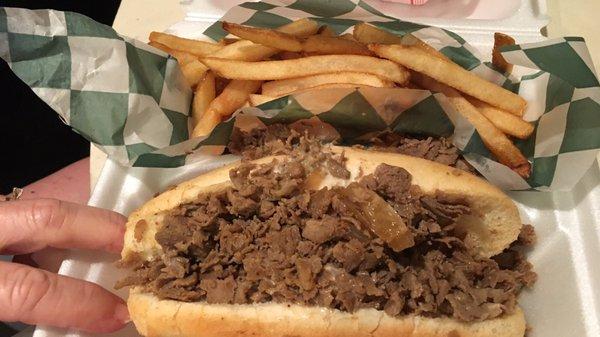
564	302
474	20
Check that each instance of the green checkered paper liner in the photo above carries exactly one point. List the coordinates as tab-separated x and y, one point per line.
132	101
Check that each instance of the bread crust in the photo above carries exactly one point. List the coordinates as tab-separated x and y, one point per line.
495	224
168	318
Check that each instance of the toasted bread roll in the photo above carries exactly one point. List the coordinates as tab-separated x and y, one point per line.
493	225
162	318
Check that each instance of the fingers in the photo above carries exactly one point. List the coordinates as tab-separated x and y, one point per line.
31	225
48	259
34	296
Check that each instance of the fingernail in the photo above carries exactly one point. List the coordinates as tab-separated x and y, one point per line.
119	318
122	314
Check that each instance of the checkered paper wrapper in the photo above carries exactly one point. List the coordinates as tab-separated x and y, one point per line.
131	100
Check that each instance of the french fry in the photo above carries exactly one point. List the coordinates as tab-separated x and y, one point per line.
366	34
184	58
235	94
330	86
325	30
159	46
245	50
313	65
496	141
324	45
181	56
256	100
505	121
204	94
501	40
228	40
233	97
411	40
265	37
284	87
302	27
452	75
317	44
198	48
206	124
348	36
193	72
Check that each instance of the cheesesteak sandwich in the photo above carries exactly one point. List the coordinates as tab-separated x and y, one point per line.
325	241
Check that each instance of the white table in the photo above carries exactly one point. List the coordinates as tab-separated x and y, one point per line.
137	18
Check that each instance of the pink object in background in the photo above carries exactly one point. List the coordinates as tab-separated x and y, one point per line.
410	2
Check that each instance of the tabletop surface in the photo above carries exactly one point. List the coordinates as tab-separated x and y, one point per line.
137	18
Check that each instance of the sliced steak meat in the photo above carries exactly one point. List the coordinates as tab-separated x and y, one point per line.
390	181
280	138
268	239
440	150
218	291
320	230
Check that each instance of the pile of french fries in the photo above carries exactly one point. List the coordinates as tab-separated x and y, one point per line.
257	65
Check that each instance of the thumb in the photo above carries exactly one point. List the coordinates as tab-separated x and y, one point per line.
35	296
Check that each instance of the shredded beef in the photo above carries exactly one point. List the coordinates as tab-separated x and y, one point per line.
280	138
440	150
268	239
320	230
527	236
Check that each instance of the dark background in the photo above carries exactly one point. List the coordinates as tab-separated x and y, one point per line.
33	141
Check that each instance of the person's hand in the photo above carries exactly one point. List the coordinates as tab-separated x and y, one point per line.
35	296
